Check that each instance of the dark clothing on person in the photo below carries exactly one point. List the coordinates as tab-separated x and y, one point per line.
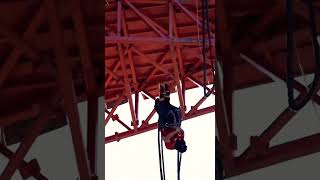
169	115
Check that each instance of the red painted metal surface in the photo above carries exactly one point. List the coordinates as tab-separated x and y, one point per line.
251	44
149	42
50	61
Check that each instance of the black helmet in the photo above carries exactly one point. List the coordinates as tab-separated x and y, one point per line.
180	146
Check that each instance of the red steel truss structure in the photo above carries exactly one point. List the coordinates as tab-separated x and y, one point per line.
149	42
50	61
252	50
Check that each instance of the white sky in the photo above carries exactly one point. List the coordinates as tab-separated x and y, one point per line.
136	158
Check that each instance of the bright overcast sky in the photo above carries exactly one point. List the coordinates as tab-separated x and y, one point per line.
136	158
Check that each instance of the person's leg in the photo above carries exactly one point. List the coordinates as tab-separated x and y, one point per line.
164	92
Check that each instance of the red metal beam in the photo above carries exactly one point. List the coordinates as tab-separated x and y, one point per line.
9	154
113	75
196	82
157	28
146	122
276	75
193	16
13	57
224	119
18	42
260	144
172	72
124	69
155	64
136	104
179	54
148	40
198	104
153	72
259	149
127	85
263	22
130	56
268	49
116	67
18	117
66	86
119	14
116	118
156	2
153	126
17	159
174	61
222	125
279	153
89	77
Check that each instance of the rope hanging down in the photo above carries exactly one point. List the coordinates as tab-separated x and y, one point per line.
291	56
206	31
179	156
161	159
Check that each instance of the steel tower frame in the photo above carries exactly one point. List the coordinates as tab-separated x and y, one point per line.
37	77
253	59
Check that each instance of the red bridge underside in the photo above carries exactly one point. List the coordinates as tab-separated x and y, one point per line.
149	42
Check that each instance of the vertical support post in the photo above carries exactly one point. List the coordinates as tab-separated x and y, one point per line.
88	70
119	9
224	110
66	86
174	60
127	86
179	56
124	70
2	138
222	125
184	93
137	105
226	59
130	56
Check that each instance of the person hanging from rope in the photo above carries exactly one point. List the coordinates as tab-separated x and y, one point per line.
169	121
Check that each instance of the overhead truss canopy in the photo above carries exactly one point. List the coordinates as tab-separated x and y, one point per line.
149	42
50	61
252	50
